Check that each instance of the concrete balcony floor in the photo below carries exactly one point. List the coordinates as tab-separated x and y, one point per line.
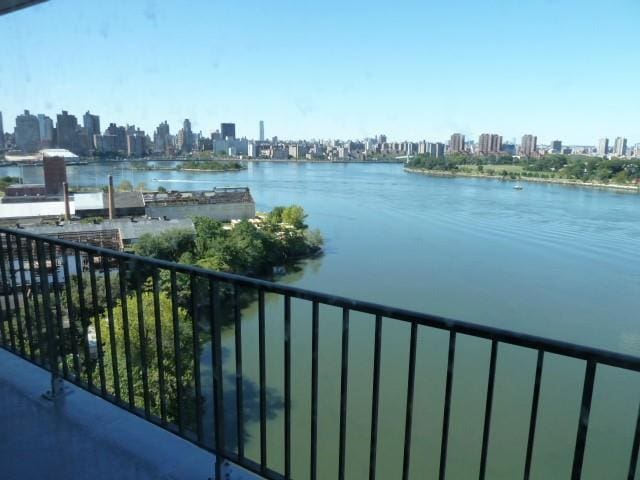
81	436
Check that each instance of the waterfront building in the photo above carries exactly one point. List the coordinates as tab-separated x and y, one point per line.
620	147
161	138
67	131
489	143
135	144
228	131
184	140
556	146
120	135
603	146
528	145
45	125
91	124
261	131
27	132
456	143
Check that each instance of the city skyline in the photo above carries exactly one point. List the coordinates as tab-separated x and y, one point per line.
347	82
91	122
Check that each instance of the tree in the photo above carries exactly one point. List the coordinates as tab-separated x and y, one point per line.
168	245
295	216
125	186
148	346
142	186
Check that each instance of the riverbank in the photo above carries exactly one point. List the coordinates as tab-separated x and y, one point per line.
558	181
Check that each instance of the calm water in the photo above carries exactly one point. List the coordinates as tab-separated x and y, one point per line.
550	260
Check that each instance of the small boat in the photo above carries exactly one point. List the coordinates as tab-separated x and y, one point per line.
517	187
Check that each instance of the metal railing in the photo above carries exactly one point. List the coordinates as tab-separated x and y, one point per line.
130	329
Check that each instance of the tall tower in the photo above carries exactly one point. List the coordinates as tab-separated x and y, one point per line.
27	132
456	143
603	146
261	130
620	147
528	145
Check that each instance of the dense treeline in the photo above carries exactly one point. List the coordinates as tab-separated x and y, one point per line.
576	167
245	249
210	165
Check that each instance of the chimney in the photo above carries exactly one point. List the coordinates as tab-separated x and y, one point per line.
67	208
112	200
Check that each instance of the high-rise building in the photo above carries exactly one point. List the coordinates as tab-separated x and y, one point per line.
1	133
67	131
161	138
46	130
556	146
261	131
456	144
184	141
120	135
135	144
620	147
27	132
489	143
91	124
603	146
228	131
528	145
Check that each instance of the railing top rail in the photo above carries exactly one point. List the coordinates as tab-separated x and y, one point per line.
605	357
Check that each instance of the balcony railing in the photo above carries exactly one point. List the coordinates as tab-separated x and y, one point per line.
132	330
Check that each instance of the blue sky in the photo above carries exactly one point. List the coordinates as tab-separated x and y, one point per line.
566	69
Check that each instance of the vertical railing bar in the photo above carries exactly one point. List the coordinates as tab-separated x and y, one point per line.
159	346
408	423
239	379
25	299
83	320
18	316
97	326
142	341
176	350
344	377
196	357
56	293
218	379
583	423
534	414
314	390
633	463
46	306
487	411
112	332
5	289
125	328
33	277
287	387
72	316
447	405
375	397
263	382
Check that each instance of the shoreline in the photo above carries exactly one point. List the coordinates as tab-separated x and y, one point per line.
557	181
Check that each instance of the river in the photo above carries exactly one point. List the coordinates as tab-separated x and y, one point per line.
550	260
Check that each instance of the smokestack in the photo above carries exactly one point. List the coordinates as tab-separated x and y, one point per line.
112	201
67	208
